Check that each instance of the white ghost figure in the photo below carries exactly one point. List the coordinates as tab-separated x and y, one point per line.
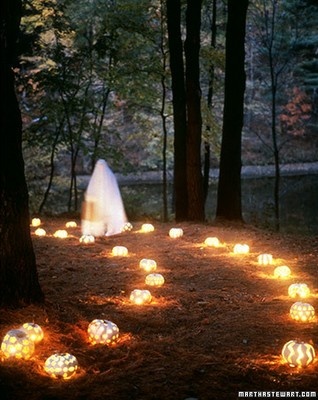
103	211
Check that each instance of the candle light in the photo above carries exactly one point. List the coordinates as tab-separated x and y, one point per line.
148	265
61	365
212	242
298	290
147	228
34	331
154	280
87	239
241	248
102	331
298	354
60	233
303	312
40	232
71	224
282	271
16	343
265	259
36	222
120	251
175	233
139	297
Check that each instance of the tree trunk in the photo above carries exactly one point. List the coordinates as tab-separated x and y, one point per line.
207	149
229	187
179	109
194	120
18	276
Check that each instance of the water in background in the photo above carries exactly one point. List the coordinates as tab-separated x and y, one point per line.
298	202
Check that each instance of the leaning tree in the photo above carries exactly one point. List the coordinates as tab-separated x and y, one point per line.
19	283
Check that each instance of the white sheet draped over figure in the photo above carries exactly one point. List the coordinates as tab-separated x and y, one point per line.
103	211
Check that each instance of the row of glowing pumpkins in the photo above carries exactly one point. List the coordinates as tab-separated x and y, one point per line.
143	296
294	352
62	233
20	343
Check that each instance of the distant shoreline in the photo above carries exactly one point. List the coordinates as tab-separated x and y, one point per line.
248	172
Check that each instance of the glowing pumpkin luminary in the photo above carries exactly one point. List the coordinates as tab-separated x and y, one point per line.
298	354
60	233
127	227
120	251
298	290
40	232
148	265
140	296
16	343
303	312
265	259
145	228
87	239
175	233
102	331
61	365
241	248
34	331
36	222
154	280
71	224
282	272
212	242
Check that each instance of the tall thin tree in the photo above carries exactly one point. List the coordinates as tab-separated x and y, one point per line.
229	202
194	119
179	108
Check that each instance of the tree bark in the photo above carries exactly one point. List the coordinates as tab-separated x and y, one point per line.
194	120
229	187
19	283
179	109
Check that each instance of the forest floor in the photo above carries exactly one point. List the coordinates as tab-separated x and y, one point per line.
215	328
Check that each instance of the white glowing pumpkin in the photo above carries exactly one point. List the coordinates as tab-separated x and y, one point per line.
16	343
175	233
140	296
101	331
36	222
298	354
40	232
148	265
282	272
303	312
61	365
154	280
212	242
60	233
298	290
87	239
120	251
71	224
241	248
265	259
34	331
146	228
